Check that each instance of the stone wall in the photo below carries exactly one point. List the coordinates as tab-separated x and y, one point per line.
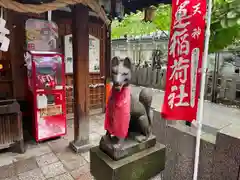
226	88
219	154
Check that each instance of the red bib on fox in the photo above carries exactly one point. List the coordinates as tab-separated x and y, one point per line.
117	116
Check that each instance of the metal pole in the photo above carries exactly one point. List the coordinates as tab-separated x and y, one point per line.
214	79
203	80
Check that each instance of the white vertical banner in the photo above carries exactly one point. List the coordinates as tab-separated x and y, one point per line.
203	81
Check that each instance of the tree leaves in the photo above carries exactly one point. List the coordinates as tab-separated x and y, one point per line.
133	24
225	27
163	17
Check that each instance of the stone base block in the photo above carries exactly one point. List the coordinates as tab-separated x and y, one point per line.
140	166
80	147
129	148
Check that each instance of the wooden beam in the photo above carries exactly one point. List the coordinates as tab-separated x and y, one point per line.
80	32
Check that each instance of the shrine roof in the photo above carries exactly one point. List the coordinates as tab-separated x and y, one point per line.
41	6
134	5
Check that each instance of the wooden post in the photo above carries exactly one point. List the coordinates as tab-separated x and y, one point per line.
80	40
108	52
107	60
108	48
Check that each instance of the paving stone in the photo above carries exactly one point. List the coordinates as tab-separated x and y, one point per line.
80	171
32	144
7	171
86	156
71	160
95	138
98	118
46	159
86	176
26	165
12	178
39	150
97	128
53	170
65	176
70	135
35	174
6	158
94	124
59	145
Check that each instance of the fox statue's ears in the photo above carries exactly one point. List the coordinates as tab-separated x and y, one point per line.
115	61
127	62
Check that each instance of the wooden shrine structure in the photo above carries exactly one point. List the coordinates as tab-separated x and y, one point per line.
87	87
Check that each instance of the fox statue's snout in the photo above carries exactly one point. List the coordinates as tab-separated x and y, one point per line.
121	72
118	85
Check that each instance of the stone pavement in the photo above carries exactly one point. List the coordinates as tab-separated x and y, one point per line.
52	160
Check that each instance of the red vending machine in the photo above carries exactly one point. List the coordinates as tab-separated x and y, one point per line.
46	80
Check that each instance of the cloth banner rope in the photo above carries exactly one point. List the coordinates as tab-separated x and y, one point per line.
41	8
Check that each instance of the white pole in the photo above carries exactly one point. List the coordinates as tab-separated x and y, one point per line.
203	80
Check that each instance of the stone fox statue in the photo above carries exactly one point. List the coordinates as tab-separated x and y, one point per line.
125	114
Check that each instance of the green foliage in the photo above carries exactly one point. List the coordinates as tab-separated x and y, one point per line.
225	27
132	25
162	18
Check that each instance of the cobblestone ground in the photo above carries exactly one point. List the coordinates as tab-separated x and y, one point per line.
52	160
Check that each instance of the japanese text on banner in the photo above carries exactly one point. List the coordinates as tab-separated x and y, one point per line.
185	52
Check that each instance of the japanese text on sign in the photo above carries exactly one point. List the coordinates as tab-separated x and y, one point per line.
184	56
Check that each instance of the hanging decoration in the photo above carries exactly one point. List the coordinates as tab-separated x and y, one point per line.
186	46
4	41
41	35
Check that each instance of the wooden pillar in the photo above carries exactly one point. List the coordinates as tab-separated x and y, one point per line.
108	48
80	40
107	61
108	52
16	26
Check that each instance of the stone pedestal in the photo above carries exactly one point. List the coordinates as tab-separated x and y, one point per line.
129	148
80	147
139	166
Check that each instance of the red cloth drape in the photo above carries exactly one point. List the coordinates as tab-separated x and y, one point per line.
117	116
